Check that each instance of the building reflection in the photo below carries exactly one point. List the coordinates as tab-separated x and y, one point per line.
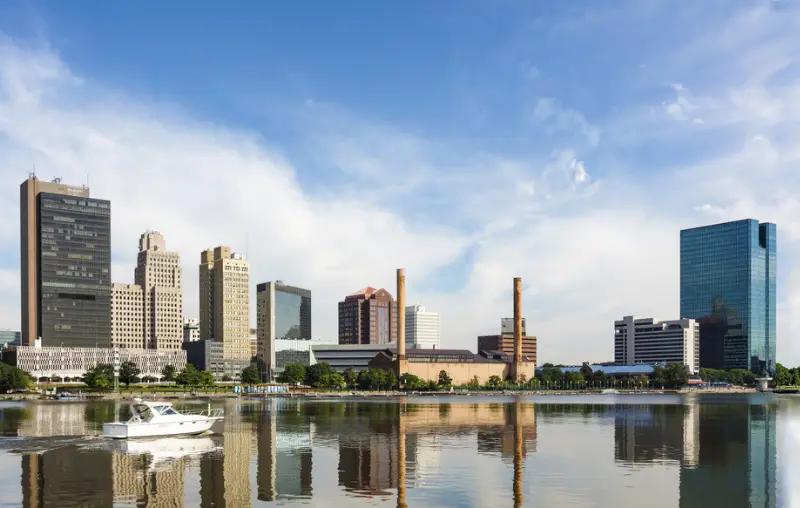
736	460
225	481
284	452
725	452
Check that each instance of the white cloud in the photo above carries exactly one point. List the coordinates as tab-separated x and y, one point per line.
561	119
594	236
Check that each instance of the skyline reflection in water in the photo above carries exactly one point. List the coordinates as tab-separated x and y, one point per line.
448	451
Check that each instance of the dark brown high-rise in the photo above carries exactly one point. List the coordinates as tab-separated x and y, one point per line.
65	258
368	316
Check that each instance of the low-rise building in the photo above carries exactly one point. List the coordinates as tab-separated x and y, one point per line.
347	356
645	340
209	355
504	341
191	329
73	362
10	338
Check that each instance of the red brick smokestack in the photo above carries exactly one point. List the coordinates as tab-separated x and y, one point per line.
517	320
401	314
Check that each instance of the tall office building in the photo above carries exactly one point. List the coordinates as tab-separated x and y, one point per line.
645	340
422	328
727	275
283	313
65	257
368	316
225	301
149	314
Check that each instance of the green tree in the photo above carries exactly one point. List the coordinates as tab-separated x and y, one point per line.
574	378
410	382
796	376
226	379
206	378
390	379
474	383
350	377
494	382
128	373
444	379
783	376
315	372
675	375
168	373
336	381
250	376
12	378
99	377
189	376
294	373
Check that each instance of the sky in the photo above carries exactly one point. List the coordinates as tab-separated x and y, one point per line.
468	142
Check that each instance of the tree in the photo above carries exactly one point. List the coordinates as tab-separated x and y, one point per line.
676	375
189	376
444	379
294	373
336	381
494	382
410	382
100	377
206	378
796	376
12	378
227	379
129	373
474	383
315	372
783	376
250	376
168	373
390	379
350	377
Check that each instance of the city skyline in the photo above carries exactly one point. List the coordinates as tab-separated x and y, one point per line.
471	141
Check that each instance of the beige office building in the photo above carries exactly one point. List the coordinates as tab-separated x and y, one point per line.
225	301
127	316
158	324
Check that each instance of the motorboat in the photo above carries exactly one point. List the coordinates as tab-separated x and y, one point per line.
610	391
153	419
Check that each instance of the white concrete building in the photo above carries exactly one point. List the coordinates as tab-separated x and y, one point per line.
422	328
645	340
74	362
149	313
191	330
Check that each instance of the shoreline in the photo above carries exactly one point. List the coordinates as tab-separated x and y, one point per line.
369	394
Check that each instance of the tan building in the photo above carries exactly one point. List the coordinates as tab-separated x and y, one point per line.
127	316
368	316
159	290
225	301
504	343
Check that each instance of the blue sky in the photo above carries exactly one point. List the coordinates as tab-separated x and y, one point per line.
470	142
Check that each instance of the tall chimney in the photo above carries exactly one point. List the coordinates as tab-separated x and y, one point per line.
517	320
401	314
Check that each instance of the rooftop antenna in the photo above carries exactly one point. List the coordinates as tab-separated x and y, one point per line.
33	173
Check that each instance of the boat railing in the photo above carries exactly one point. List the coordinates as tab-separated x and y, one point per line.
211	413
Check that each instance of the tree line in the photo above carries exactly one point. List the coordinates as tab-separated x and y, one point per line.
786	377
323	376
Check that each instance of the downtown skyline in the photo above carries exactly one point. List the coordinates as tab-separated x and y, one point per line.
344	176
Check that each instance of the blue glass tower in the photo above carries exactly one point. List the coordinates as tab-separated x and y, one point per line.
728	285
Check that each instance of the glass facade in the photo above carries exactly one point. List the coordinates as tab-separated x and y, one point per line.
74	271
727	278
292	312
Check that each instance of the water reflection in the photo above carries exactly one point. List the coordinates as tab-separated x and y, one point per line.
417	452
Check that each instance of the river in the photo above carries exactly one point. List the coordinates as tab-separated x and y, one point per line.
556	451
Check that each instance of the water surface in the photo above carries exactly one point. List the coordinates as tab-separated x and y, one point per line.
601	451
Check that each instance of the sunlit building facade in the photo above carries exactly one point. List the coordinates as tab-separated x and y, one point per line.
283	313
728	284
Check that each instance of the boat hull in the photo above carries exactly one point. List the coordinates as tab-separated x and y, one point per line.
186	427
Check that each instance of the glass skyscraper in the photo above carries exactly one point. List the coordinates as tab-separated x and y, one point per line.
727	275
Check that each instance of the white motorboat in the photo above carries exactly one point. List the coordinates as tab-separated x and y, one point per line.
610	391
152	419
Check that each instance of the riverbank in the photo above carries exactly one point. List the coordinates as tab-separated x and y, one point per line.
175	395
